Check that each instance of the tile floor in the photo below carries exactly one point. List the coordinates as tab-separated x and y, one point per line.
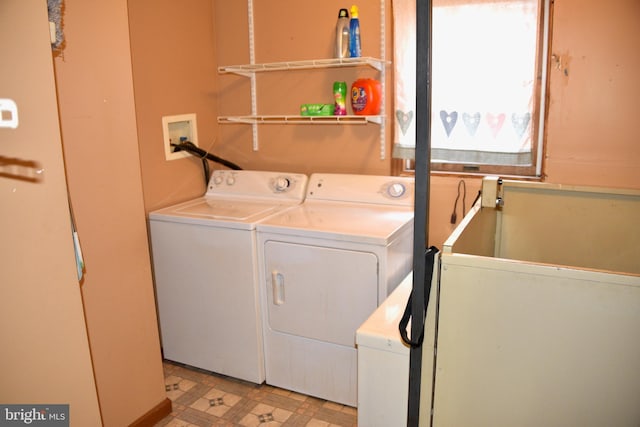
205	399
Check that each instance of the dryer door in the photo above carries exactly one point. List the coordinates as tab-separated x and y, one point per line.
318	292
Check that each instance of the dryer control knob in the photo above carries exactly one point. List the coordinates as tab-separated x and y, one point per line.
396	190
282	183
217	180
231	180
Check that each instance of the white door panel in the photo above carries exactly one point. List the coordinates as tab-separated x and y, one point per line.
319	293
207	298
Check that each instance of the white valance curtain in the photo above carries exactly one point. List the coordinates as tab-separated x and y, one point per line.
404	67
483	80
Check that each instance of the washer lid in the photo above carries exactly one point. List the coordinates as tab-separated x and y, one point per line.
230	213
353	222
229	210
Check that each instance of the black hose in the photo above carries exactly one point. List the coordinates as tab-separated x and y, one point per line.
206	171
191	148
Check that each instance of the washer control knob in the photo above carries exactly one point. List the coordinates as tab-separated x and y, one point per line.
217	180
396	190
282	183
231	180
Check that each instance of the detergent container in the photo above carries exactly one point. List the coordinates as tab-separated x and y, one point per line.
340	97
366	97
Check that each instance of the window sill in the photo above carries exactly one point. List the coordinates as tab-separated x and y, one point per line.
481	175
470	175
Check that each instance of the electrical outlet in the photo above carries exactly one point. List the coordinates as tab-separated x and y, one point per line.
176	129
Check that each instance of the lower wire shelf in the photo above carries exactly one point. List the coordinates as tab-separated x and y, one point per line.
331	120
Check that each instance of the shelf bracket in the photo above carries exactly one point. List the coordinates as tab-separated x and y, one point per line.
383	79
252	61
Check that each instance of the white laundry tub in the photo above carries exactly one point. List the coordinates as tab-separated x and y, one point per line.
538	317
539	310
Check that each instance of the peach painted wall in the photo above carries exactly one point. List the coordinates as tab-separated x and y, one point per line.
592	136
97	117
442	199
174	69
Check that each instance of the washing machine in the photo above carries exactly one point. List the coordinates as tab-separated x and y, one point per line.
205	270
325	265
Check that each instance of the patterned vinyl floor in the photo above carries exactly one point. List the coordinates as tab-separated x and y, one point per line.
206	399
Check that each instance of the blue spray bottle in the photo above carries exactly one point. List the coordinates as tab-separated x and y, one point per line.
355	48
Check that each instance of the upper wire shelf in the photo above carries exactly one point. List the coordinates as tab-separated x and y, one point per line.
248	69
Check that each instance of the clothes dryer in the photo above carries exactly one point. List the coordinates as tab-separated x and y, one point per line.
325	265
205	270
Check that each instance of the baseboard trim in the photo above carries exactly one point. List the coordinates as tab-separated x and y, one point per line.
154	415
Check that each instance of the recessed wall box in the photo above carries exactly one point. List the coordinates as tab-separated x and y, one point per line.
8	113
176	129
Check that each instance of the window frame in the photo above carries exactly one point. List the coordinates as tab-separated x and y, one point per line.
534	171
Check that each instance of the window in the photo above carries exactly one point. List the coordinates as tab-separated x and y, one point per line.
487	87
